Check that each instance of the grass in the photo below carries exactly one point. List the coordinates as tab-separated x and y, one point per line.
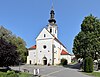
4	74
24	75
95	74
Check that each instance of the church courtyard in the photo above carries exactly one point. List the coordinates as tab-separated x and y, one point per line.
52	71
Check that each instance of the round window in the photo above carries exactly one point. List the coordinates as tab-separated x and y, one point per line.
44	46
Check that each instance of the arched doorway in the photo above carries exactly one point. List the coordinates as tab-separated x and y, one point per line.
30	62
44	61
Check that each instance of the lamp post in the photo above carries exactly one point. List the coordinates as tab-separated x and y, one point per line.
96	54
19	63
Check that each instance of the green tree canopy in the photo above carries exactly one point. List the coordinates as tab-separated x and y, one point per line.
17	41
87	42
8	54
20	44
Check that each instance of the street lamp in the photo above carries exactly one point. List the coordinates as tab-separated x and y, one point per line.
19	63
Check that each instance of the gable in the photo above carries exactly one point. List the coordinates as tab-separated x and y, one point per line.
44	34
63	52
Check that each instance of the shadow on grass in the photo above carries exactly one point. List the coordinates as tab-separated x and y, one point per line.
5	70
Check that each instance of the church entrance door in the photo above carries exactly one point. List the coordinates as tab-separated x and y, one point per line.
30	61
44	61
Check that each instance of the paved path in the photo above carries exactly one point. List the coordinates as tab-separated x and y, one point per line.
53	71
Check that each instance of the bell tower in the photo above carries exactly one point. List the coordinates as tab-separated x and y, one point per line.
52	26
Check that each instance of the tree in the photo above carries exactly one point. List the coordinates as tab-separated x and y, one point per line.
8	53
20	44
87	42
17	41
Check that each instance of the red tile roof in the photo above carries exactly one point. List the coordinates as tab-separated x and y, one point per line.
33	47
64	52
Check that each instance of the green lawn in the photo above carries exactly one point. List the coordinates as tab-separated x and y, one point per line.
95	74
4	74
24	75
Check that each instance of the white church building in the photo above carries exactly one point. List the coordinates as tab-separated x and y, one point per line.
48	48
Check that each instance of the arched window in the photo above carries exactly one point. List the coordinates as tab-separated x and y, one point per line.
55	31
50	30
44	35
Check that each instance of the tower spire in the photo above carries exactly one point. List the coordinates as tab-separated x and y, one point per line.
52	26
52	19
52	5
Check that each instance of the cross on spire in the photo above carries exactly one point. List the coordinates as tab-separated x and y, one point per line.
52	5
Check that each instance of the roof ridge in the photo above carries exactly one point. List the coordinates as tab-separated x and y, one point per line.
56	39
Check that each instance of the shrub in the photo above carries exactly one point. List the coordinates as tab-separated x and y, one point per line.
88	64
2	74
64	62
86	67
10	72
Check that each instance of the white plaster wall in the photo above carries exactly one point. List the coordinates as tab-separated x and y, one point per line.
72	56
54	29
56	52
68	57
31	56
41	35
49	41
41	52
58	55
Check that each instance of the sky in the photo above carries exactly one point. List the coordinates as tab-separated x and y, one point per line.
26	18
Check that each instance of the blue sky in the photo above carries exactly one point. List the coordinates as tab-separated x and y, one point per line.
26	18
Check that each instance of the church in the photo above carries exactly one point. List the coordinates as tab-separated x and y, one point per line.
48	48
